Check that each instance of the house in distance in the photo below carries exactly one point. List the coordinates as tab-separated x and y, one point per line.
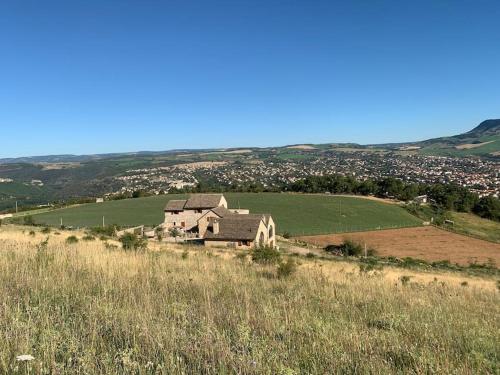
207	217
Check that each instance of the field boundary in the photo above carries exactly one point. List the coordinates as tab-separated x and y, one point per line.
379	229
464	234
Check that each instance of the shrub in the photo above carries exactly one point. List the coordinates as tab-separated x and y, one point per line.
32	233
131	241
46	230
185	254
310	255
108	230
88	237
371	252
348	248
71	240
174	232
287	235
159	234
351	248
405	279
265	255
286	269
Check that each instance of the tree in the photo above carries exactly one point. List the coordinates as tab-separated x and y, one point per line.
174	232
488	207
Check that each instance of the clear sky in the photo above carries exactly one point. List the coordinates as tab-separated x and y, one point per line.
100	76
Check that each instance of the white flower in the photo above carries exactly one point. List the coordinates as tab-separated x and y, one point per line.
25	357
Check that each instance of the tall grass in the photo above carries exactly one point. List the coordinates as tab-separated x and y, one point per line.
85	309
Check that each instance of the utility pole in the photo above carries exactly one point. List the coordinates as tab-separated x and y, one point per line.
61	223
103	222
366	251
16	207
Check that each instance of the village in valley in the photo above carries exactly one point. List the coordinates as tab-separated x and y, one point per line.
273	170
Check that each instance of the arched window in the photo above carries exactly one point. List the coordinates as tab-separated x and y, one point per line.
271	231
261	239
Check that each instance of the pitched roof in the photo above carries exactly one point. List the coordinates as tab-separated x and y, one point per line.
175	205
236	227
222	211
198	201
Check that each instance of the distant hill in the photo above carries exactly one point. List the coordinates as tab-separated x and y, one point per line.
488	127
483	140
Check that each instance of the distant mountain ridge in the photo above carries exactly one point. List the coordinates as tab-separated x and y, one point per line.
483	140
486	127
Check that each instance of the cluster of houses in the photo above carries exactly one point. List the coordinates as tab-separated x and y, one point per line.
207	217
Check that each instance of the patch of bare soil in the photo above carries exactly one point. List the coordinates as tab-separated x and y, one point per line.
302	147
469	146
427	243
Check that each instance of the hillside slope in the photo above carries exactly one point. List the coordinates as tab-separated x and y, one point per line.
483	140
298	214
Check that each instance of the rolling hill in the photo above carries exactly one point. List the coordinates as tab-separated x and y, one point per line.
483	140
297	214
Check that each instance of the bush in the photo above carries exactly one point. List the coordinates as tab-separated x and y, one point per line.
159	234
405	279
108	230
88	237
46	230
286	269
348	248
287	235
266	255
71	240
310	255
131	241
32	233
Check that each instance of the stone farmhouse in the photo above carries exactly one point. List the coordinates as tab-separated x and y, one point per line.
207	217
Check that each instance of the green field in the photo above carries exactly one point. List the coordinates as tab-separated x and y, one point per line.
294	213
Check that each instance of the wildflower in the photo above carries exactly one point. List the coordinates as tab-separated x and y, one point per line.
25	358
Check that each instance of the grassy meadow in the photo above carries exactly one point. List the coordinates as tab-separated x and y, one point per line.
85	308
475	226
298	214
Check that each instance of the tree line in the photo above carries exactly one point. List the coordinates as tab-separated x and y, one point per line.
442	196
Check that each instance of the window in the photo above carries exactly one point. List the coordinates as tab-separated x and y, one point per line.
199	211
208	219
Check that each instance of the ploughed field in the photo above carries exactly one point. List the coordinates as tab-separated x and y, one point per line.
427	243
297	214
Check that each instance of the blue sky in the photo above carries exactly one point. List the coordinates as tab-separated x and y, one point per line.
106	76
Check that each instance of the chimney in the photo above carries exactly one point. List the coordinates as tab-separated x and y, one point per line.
216	226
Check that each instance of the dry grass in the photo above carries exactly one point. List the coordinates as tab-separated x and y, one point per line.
87	309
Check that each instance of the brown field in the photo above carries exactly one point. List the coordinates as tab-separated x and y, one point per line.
469	146
302	147
427	243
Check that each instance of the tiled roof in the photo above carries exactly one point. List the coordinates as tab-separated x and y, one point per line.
199	201
236	227
175	205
